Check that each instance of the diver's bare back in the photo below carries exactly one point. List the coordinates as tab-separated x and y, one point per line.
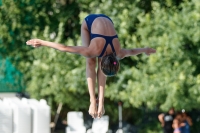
104	26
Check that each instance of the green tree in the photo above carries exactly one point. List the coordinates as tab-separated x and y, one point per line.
21	20
55	21
168	78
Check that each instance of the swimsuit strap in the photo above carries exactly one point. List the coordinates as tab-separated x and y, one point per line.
108	40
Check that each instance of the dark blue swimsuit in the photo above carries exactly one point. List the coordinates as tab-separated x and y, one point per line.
89	20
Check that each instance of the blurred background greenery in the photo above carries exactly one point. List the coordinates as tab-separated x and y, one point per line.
171	77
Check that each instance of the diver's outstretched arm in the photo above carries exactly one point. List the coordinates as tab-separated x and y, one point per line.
88	52
130	52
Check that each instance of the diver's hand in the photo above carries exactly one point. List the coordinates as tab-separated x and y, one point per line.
34	42
149	51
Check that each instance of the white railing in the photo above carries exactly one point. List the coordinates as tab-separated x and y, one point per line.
24	116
